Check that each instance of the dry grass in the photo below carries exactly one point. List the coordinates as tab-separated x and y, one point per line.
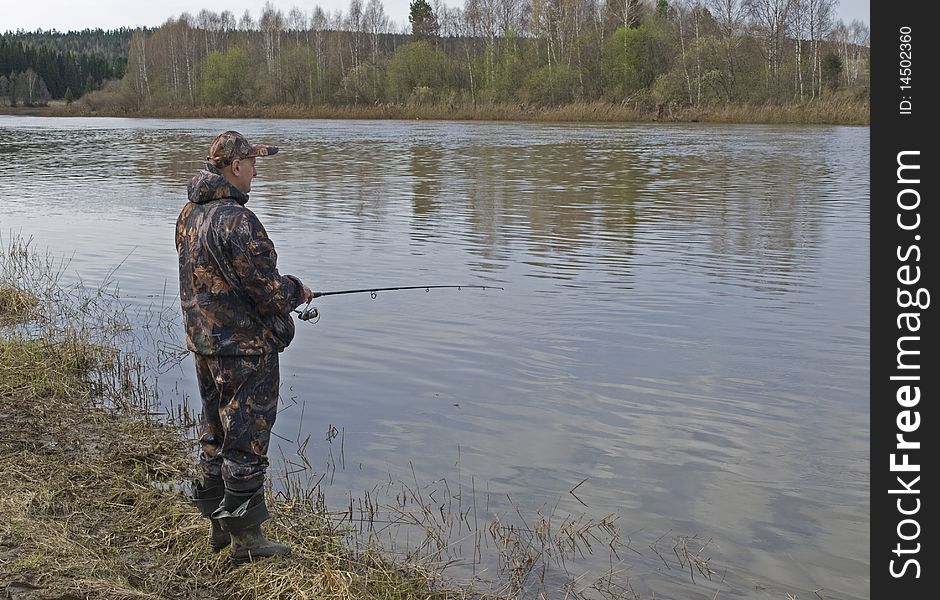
25	277
838	109
843	108
16	305
92	509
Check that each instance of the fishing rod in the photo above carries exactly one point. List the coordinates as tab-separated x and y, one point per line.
311	313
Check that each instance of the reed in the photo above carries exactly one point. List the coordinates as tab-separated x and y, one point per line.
842	109
24	278
16	304
837	109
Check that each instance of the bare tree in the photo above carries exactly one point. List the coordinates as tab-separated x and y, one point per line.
377	24
447	19
685	14
626	12
227	25
595	19
272	25
770	18
840	37
183	44
730	16
31	89
483	20
510	15
137	68
246	23
819	18
574	19
859	39
798	28
227	21
850	41
355	23
209	23
466	32
319	24
296	23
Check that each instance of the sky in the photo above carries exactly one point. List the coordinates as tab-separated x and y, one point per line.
112	14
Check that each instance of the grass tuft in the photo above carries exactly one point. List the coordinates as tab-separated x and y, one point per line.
16	305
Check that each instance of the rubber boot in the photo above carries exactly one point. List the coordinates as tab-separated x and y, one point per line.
241	515
207	496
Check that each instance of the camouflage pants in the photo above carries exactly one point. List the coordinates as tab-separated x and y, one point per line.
239	406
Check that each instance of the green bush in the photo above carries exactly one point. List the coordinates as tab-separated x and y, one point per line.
552	85
228	78
414	65
633	58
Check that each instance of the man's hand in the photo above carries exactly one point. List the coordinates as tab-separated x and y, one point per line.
308	294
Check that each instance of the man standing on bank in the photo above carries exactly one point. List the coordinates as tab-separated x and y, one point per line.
236	309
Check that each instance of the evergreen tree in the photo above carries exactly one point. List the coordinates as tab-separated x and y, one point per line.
13	85
63	60
423	20
832	70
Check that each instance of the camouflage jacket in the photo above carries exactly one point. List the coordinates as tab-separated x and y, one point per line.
234	300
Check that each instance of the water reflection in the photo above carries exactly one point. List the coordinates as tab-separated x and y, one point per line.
685	320
426	173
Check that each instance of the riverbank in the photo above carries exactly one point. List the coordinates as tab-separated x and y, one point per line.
93	475
95	471
839	109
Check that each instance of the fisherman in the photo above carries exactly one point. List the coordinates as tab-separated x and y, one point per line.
236	310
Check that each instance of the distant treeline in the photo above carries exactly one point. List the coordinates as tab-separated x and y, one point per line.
37	66
649	54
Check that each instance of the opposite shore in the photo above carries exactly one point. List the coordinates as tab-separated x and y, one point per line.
832	110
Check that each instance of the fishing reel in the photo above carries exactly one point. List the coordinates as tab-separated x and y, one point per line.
309	313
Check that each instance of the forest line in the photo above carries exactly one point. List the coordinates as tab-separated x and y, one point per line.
659	59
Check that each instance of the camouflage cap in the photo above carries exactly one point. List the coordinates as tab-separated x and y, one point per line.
231	145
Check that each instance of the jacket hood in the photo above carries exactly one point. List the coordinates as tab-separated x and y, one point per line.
207	186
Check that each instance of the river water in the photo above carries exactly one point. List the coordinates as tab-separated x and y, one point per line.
682	340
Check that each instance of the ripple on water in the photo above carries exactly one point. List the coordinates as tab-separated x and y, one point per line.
685	319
